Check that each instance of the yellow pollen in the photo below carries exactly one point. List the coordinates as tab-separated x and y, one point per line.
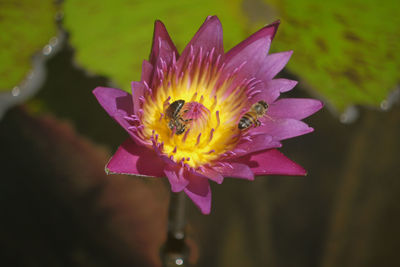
210	114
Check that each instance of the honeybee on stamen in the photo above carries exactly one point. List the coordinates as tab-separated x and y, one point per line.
173	115
251	117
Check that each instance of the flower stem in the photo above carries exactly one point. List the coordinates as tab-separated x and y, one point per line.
175	251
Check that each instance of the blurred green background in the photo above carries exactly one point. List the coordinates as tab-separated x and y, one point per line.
60	209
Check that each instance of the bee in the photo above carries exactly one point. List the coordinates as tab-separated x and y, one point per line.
250	118
174	116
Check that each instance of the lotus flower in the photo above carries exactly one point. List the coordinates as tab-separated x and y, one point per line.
182	117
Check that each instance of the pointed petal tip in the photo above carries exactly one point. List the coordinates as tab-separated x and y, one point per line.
274	25
278	21
158	22
251	178
212	17
301	172
100	90
284	85
95	90
273	162
285	55
203	205
289	86
199	191
206	212
159	25
215	18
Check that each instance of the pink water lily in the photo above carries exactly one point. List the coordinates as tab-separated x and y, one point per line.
182	117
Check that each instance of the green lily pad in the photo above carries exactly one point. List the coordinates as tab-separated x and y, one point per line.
112	38
26	27
347	51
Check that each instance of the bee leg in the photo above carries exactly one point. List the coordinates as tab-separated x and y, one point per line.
269	117
258	123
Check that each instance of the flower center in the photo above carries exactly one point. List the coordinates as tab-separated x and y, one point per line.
191	116
195	115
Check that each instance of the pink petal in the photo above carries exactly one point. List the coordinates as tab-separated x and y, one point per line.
212	175
270	90
208	37
281	129
199	192
116	102
295	108
236	170
273	64
147	71
274	162
256	143
137	91
268	32
249	60
133	159
163	48
176	177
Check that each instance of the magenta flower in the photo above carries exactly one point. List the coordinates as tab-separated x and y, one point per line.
206	114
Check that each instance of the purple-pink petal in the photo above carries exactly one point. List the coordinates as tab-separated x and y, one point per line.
270	90
176	177
274	162
248	61
163	48
206	39
211	174
268	32
116	102
147	72
295	108
256	143
199	191
133	159
248	65
281	129
236	170
273	64
137	91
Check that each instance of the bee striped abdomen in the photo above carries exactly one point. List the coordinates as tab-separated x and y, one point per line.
250	118
246	121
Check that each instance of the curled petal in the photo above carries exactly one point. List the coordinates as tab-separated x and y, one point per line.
281	129
199	191
295	108
274	162
176	177
133	159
